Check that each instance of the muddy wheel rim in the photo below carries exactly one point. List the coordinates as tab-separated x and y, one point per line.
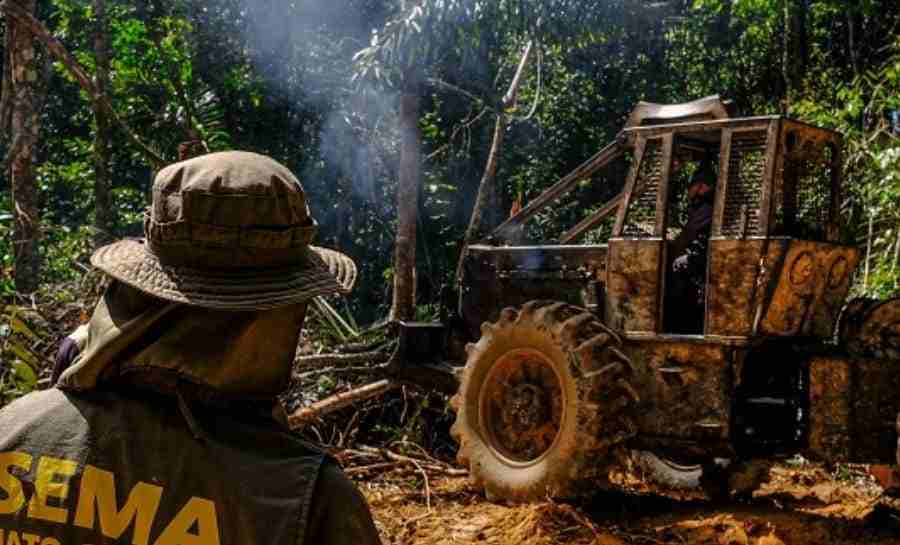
521	407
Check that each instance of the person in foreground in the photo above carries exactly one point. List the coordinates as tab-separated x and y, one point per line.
165	428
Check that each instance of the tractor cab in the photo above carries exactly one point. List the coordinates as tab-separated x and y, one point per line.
586	345
772	264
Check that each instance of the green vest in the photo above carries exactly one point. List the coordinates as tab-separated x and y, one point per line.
101	467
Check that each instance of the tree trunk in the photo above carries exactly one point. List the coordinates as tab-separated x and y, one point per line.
26	20
6	94
103	213
404	300
24	127
785	55
801	43
486	189
852	41
795	53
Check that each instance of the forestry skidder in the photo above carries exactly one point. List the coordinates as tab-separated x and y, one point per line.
573	357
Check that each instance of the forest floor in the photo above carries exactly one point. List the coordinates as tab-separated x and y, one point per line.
798	506
424	499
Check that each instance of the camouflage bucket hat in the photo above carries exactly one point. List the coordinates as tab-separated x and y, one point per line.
230	231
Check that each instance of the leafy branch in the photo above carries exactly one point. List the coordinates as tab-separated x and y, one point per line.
100	101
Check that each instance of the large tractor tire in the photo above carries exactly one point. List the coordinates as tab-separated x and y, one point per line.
665	472
544	399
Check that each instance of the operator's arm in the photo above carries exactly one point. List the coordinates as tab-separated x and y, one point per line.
339	514
699	218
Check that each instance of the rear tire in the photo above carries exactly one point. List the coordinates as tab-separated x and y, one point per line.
735	480
544	399
665	472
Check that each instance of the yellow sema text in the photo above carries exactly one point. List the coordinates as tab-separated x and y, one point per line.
96	506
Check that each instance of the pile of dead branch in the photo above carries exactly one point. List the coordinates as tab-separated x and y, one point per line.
341	396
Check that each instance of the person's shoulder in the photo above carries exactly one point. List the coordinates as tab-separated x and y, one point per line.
35	403
60	406
32	411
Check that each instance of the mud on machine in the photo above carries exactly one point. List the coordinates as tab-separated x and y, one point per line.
561	357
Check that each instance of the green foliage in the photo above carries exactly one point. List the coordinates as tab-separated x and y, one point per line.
19	362
312	84
862	109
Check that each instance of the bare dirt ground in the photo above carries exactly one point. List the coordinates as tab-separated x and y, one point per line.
802	504
799	506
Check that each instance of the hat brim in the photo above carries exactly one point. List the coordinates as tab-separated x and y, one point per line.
323	272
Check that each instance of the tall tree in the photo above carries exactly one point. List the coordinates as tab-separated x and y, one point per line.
424	45
103	210
403	42
794	51
24	128
409	182
25	20
487	188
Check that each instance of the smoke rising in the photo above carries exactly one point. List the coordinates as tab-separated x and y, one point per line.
303	51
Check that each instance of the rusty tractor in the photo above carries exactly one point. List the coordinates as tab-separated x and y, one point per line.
578	354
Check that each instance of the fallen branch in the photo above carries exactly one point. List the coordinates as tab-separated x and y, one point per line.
338	401
339	371
358	348
372	467
418	447
577	515
349	431
427	485
343	329
340	360
431	465
399	469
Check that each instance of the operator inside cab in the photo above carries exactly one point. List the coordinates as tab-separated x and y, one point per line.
686	271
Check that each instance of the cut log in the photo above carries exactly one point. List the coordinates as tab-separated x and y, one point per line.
340	360
338	401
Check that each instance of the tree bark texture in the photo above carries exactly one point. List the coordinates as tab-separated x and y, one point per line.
24	127
785	83
103	212
6	94
404	297
795	50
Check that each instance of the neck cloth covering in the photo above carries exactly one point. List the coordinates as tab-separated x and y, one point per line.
160	345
